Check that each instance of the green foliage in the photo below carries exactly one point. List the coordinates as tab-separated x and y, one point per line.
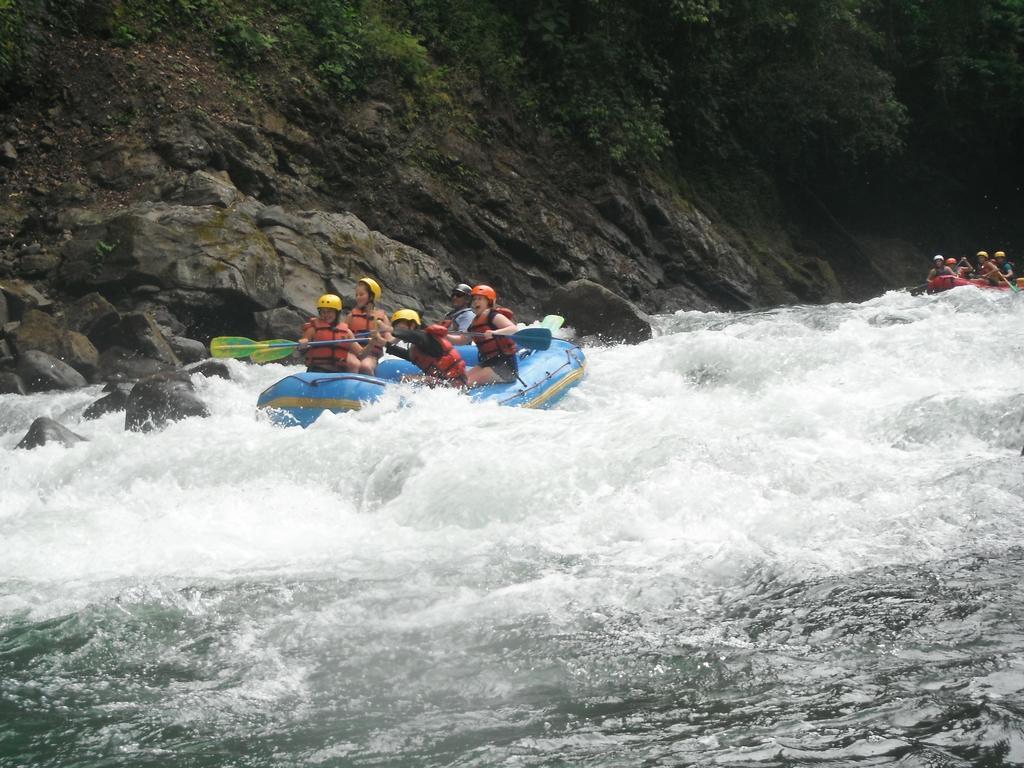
12	25
327	36
243	43
809	88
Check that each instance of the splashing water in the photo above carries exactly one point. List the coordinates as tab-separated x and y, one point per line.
790	536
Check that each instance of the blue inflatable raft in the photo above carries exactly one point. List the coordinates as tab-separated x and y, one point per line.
545	376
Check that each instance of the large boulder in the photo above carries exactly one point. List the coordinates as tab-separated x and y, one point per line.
94	316
22	296
182	145
205	188
36	263
41	332
178	246
188	350
118	365
593	310
115	400
195	141
157	401
45	430
138	332
122	166
280	323
41	372
211	369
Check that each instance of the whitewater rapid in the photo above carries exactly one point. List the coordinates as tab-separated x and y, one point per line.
430	556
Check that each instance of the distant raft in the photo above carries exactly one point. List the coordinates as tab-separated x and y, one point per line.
946	282
544	378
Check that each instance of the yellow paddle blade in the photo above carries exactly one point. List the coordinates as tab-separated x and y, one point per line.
239	346
552	322
267	354
232	346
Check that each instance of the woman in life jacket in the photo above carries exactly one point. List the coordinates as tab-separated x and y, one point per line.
490	330
365	318
429	349
328	358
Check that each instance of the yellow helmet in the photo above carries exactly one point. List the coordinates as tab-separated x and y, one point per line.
1000	255
373	285
329	301
982	254
407	314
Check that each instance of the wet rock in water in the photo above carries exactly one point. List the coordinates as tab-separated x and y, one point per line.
118	364
116	400
211	368
593	310
41	332
188	350
11	384
139	333
41	372
157	401
45	430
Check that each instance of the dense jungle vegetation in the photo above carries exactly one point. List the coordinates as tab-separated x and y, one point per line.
831	93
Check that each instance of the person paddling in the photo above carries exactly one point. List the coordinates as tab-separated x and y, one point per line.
988	270
365	317
1005	267
328	358
429	349
964	268
490	330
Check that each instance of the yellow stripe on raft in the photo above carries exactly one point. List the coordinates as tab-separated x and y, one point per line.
317	403
569	379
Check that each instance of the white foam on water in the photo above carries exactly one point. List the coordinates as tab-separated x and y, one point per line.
809	440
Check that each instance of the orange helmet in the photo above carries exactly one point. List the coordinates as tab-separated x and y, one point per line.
951	262
486	291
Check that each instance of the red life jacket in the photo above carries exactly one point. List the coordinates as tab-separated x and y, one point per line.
496	346
361	321
450	366
329	355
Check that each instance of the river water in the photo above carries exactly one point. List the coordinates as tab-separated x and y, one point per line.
776	538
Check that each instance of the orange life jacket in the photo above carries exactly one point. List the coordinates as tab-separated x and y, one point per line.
361	321
496	346
329	355
450	366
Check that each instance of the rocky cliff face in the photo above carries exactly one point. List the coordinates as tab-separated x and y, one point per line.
147	177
